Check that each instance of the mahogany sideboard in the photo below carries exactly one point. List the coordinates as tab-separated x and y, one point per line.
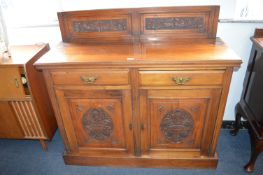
143	87
250	104
25	109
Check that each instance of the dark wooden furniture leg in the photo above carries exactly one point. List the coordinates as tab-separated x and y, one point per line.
238	112
43	145
256	149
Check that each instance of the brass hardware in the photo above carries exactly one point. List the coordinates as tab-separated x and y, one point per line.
130	126
181	80
16	83
88	80
142	126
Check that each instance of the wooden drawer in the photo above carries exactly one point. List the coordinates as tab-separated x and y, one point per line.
179	78
90	77
11	84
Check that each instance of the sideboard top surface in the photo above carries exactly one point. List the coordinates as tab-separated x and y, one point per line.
21	54
203	51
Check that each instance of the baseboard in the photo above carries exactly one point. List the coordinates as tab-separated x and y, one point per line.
143	162
229	124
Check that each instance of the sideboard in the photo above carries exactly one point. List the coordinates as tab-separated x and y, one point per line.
25	109
143	87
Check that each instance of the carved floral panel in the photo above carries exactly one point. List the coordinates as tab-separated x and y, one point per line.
177	125
174	23
98	124
100	25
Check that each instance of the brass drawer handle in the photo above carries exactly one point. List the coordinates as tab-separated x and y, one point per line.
181	80
16	83
88	80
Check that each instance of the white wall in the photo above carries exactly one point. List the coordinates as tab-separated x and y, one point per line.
236	35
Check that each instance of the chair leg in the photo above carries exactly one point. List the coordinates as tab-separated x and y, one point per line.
256	149
43	145
234	131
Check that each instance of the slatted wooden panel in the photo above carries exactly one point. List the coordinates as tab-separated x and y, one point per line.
28	119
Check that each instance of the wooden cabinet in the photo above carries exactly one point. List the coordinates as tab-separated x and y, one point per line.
155	101
25	109
250	104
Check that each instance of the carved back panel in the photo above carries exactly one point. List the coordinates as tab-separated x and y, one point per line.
95	26
145	24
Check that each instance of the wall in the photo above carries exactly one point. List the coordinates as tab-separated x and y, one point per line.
236	35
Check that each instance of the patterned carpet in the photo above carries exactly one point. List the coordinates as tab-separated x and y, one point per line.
19	157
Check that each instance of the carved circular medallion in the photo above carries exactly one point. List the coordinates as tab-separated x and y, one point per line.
98	124
176	125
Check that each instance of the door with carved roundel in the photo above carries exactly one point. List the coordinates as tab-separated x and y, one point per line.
96	121
172	121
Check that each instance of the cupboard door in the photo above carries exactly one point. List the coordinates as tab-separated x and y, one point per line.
97	122
177	122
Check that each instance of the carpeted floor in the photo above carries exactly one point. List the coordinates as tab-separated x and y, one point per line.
18	157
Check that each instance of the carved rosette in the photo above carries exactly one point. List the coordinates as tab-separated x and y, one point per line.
177	125
174	23
98	124
100	25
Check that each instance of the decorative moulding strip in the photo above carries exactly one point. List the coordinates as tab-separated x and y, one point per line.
239	21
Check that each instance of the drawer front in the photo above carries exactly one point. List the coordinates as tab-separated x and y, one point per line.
91	77
11	84
179	78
